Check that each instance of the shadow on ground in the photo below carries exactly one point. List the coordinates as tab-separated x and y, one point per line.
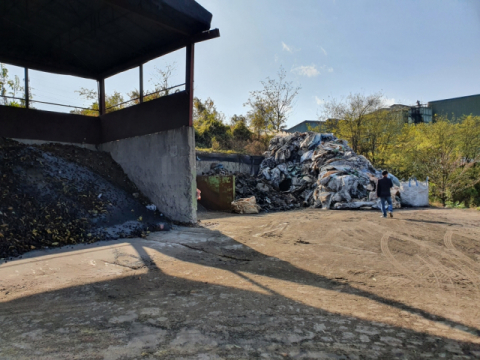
198	294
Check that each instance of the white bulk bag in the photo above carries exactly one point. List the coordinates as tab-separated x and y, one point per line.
414	193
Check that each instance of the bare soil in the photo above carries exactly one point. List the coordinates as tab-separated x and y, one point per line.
307	284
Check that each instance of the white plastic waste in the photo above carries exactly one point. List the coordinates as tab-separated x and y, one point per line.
151	207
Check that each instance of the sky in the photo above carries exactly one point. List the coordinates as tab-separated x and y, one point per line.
409	50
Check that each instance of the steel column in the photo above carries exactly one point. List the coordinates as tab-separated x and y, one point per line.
141	83
27	90
189	74
101	96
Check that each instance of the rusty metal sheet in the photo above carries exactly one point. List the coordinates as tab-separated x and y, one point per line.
218	192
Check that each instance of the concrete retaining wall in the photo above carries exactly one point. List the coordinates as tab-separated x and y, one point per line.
162	165
233	162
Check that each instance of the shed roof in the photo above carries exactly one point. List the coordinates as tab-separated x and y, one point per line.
97	38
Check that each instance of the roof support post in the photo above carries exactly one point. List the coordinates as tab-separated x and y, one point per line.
189	78
27	90
101	96
141	83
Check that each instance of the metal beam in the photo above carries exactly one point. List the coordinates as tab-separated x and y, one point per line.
141	83
27	91
174	46
206	35
189	75
101	96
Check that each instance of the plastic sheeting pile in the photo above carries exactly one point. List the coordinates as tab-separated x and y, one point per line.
312	169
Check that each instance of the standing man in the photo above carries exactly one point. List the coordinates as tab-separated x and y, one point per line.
383	192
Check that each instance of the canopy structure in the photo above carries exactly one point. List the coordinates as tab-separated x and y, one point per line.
97	38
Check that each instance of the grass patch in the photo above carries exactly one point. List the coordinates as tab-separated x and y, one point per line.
217	151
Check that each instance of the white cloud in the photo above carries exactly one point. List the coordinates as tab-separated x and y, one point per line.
330	70
389	102
286	47
319	101
324	51
308	70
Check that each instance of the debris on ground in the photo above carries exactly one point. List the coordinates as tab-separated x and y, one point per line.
217	169
53	195
246	206
312	170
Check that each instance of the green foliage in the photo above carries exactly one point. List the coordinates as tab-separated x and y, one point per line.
211	132
357	118
11	87
111	102
270	106
439	151
241	132
210	129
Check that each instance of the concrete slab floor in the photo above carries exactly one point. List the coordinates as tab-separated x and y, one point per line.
299	285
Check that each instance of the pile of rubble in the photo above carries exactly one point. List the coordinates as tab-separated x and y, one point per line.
312	169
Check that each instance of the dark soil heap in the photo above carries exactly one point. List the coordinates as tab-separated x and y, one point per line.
53	195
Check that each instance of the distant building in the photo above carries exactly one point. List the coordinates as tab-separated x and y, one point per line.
417	114
456	107
303	126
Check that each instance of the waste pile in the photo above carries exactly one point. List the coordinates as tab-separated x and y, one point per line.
53	195
312	169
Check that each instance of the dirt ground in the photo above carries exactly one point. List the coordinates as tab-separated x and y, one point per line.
307	284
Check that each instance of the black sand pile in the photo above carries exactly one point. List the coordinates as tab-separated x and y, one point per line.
54	195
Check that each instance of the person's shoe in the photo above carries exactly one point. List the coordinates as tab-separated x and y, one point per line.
391	214
383	216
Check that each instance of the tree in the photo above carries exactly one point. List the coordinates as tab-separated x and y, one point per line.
241	132
210	129
381	128
235	119
12	88
275	100
260	116
112	102
435	150
161	83
469	137
352	114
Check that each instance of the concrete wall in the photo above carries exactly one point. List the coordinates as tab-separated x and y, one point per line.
162	165
204	166
233	162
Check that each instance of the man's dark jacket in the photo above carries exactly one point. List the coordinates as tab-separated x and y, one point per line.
384	186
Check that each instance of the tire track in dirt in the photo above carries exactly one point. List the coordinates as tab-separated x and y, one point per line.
449	245
386	251
465	261
450	267
279	228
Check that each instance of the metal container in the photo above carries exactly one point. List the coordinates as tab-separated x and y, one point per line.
218	192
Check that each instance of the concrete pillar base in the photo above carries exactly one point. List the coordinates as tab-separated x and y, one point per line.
163	166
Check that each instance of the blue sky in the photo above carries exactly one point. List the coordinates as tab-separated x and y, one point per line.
410	50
